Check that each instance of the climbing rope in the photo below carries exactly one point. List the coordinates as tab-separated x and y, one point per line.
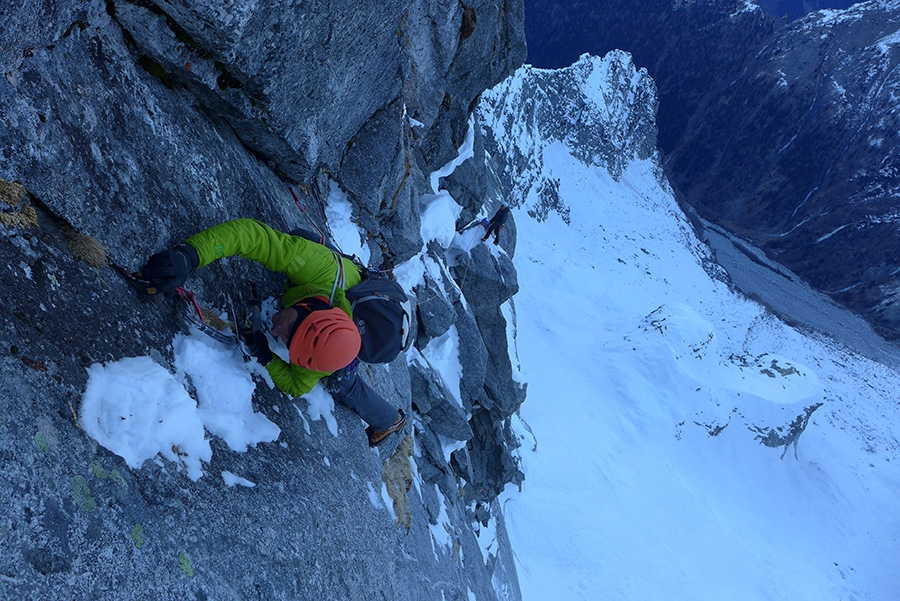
302	208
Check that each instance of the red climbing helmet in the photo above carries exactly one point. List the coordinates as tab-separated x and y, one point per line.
326	340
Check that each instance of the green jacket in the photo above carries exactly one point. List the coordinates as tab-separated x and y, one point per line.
311	268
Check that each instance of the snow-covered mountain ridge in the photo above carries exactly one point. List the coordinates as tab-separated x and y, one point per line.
678	440
531	119
782	132
602	111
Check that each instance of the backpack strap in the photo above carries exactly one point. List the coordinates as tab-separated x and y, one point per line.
339	277
369	297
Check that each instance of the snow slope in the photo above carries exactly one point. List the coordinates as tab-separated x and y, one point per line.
651	389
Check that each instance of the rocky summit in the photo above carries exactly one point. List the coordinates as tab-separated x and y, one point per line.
126	126
783	132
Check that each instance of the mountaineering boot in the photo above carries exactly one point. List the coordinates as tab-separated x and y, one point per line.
377	438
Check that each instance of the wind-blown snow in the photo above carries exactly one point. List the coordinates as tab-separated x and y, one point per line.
344	231
466	151
224	391
442	353
232	480
320	405
137	410
441	531
439	211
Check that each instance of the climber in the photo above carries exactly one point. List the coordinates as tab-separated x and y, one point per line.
496	224
315	322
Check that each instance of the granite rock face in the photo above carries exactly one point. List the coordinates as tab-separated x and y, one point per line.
136	124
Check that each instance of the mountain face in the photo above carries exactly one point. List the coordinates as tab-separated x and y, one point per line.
794	9
126	126
783	133
539	108
679	440
808	158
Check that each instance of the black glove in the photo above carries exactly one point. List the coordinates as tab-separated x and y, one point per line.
258	345
167	270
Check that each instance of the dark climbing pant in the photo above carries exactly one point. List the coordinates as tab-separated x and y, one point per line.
350	390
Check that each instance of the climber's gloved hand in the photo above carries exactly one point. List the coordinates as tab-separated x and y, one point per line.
167	270
258	346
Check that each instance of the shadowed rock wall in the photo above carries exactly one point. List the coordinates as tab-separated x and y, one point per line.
139	123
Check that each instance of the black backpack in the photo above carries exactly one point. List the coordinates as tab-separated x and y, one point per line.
381	310
382	313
